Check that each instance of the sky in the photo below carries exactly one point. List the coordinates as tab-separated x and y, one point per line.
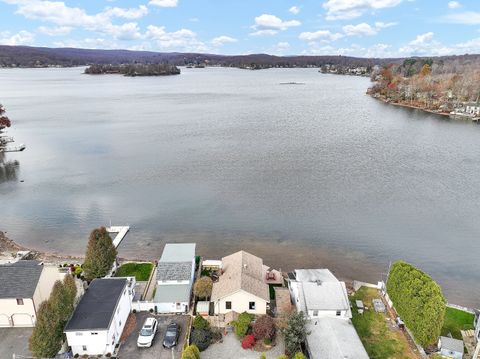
365	28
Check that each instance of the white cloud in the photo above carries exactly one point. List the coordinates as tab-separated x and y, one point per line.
294	10
181	40
267	24
321	35
55	31
133	13
454	4
365	29
349	9
283	45
164	3
222	40
20	38
465	18
384	25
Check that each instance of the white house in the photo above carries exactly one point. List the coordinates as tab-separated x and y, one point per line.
324	300
477	326
241	286
175	274
99	318
450	348
318	293
23	286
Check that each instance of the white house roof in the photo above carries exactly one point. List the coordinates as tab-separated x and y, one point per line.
324	296
314	275
172	293
451	344
334	338
178	252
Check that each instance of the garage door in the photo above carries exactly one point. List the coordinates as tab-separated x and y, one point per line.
22	320
4	320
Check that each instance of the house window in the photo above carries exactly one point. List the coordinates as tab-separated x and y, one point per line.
78	334
315	313
84	347
228	305
251	305
19	301
338	313
93	333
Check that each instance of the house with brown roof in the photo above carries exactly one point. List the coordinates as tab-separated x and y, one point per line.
241	287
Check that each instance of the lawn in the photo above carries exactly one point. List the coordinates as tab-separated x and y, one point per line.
455	321
380	341
141	271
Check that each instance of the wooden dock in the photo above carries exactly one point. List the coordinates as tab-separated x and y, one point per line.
121	232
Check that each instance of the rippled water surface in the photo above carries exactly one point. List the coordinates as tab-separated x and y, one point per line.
309	175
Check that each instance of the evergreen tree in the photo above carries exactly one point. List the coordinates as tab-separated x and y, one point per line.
45	341
100	255
295	333
191	352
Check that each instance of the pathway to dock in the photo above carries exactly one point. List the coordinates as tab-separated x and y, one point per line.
121	233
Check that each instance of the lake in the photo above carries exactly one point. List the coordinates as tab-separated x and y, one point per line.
308	175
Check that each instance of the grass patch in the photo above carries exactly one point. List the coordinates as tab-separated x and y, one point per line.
141	271
378	339
455	321
271	289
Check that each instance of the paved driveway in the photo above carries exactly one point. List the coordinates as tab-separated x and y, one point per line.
156	351
14	340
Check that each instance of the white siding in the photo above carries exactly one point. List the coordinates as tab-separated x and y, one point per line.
15	315
240	303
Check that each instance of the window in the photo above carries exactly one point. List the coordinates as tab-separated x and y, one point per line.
228	305
19	301
119	323
78	334
84	347
338	313
315	313
251	305
93	333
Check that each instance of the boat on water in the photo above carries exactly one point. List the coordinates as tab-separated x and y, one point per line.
20	148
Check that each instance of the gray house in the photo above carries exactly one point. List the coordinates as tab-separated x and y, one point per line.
175	273
450	348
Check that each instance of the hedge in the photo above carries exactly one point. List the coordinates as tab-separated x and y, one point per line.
418	300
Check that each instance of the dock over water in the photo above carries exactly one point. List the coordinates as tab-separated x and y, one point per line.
121	232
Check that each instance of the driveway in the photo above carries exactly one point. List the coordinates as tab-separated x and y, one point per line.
14	340
156	351
231	348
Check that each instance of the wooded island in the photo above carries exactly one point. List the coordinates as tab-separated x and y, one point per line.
133	70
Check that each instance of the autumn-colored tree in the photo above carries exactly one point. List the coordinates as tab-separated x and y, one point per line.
425	71
100	255
203	287
191	352
248	342
264	327
46	341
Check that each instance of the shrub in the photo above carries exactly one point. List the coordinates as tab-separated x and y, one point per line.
264	327
200	323
267	341
201	338
283	356
242	324
295	333
263	356
418	300
203	287
299	356
248	342
191	352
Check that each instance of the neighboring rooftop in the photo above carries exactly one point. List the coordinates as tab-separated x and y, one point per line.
324	296
314	275
172	293
97	306
451	344
333	338
241	271
174	271
19	279
178	252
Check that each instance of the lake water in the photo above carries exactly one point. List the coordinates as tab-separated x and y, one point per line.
309	175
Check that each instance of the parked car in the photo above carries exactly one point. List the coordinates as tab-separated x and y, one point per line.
171	336
147	333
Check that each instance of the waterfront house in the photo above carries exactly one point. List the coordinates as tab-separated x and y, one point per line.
318	293
175	275
242	285
97	323
477	326
24	285
450	348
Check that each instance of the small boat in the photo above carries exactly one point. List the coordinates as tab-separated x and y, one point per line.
20	148
292	83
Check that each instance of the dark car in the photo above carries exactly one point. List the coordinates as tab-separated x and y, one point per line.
171	336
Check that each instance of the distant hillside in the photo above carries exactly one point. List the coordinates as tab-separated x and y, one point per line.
25	56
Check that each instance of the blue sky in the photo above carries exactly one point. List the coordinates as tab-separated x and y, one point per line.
366	28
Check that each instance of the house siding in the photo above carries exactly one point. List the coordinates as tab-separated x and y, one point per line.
14	315
240	303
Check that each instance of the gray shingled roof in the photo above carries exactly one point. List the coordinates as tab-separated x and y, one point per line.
174	271
97	306
20	279
454	345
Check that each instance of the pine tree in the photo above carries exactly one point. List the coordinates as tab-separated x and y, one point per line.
45	341
100	255
295	333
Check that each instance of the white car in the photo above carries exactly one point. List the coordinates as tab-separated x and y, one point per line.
147	333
